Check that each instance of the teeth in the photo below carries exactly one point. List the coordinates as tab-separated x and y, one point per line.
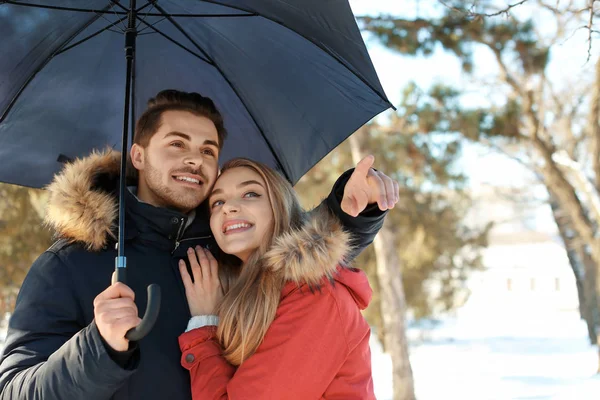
237	226
186	179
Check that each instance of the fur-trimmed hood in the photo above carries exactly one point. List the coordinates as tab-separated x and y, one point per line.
83	207
312	252
316	251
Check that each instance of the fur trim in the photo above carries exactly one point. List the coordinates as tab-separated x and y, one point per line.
77	209
312	252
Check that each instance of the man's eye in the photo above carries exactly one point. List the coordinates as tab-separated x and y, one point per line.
208	152
177	144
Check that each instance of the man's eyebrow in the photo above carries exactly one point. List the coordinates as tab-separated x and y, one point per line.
179	134
187	137
211	143
245	183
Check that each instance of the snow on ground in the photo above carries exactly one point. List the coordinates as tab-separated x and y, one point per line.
495	355
502	353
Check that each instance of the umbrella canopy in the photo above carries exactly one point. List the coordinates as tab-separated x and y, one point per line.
292	78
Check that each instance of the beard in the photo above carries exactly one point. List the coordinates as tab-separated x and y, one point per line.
184	199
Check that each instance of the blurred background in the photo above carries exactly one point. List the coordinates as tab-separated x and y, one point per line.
486	273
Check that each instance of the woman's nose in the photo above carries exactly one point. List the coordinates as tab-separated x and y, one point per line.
230	207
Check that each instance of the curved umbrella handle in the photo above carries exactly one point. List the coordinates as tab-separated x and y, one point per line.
152	306
150	315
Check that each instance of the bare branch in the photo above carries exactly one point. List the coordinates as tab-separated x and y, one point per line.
590	29
568	9
474	14
508	78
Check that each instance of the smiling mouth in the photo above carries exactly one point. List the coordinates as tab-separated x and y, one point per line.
239	227
187	179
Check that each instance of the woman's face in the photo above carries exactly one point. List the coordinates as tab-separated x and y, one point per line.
241	216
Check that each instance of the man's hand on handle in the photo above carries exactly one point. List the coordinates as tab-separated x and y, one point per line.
115	313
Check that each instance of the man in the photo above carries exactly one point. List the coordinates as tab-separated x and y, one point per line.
57	348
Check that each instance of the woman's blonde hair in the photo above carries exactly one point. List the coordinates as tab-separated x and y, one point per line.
252	293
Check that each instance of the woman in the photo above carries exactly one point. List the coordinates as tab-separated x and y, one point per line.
289	324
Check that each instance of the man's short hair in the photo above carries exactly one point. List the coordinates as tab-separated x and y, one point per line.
175	100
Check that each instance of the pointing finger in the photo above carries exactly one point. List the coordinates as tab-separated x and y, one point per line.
363	166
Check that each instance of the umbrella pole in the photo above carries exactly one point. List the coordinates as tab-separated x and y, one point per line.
153	304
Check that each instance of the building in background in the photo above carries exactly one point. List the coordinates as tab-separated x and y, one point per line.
526	264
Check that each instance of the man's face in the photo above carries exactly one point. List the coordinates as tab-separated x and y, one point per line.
179	166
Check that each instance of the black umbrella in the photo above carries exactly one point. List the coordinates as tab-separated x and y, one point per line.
292	79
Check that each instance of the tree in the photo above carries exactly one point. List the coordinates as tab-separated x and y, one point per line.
22	238
549	129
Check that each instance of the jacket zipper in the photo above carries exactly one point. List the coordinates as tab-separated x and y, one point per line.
195	238
179	233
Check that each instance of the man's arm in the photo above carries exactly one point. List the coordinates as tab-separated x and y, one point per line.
364	227
360	199
49	353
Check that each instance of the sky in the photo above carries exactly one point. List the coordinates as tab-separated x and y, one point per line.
484	167
395	71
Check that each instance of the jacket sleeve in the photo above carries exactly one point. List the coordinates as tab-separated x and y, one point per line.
49	353
301	353
363	227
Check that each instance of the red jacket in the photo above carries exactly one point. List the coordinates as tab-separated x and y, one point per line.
316	348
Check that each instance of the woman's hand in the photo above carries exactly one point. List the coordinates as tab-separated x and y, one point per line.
205	292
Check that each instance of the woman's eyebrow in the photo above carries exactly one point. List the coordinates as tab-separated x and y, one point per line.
245	183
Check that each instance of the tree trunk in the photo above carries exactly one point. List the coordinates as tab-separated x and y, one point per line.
393	302
582	266
559	186
594	126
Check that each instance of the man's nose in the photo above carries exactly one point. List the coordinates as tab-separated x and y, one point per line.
194	160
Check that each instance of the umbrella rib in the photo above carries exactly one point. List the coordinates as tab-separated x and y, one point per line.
183	32
151	25
115	2
208	61
106	28
46	61
202	15
62	8
146	16
335	57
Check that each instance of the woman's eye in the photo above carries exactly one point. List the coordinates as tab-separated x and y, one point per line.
252	194
217	203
